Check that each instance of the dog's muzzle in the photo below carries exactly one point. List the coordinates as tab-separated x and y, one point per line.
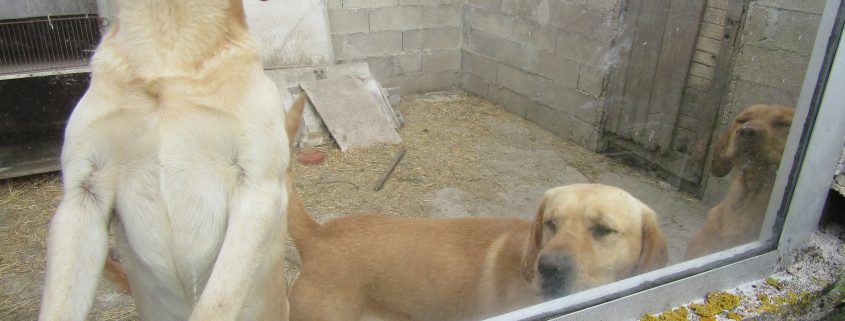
555	272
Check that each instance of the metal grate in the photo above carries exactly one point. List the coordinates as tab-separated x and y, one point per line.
47	43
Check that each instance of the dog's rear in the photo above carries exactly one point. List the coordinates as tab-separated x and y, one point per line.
750	149
180	136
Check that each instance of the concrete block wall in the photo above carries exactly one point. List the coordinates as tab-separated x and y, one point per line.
413	44
544	60
774	48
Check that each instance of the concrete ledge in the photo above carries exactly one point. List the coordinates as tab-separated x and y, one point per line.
809	289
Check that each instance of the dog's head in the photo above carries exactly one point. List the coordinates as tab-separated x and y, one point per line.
757	136
586	235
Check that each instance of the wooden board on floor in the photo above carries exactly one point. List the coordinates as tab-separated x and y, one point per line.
350	112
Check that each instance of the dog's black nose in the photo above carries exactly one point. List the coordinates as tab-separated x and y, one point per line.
555	272
748	131
554	267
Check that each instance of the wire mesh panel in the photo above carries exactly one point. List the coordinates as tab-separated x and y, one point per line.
47	43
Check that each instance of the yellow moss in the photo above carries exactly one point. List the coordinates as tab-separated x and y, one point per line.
766	304
717	302
774	283
679	314
735	316
708	319
649	317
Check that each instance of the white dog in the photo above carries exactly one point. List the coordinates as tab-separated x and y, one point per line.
180	143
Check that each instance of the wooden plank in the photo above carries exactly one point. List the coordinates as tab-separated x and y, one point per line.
698	83
619	68
350	112
675	57
645	53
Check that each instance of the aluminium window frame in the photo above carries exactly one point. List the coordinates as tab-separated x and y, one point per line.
802	192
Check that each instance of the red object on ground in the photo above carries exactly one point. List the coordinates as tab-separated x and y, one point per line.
310	156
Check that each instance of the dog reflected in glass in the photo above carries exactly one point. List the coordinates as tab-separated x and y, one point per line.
750	150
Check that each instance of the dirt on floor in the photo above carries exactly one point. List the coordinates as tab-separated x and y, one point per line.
465	156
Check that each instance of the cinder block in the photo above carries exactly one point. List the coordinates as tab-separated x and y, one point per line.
383	66
542	37
575	103
560	69
338	46
747	93
591	79
509	100
781	29
534	10
369	4
412	40
441	16
535	35
809	6
410	63
775	68
499	49
521	30
481	66
582	49
492	5
345	22
334	4
441	38
575	17
427	2
395	18
576	131
448	59
424	82
529	85
473	84
362	45
492	23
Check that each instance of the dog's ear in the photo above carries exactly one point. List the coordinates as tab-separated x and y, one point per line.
293	118
654	253
721	165
535	242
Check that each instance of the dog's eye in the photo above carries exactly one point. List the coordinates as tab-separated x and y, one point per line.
601	231
783	124
741	120
551	225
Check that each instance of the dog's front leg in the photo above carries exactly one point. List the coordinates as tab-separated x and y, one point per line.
257	208
77	243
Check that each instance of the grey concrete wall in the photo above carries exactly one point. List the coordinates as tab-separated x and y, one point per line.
544	60
774	49
413	44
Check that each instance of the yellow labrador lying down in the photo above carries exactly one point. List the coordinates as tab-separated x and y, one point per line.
180	143
583	236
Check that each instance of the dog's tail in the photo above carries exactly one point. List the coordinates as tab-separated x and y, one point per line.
300	224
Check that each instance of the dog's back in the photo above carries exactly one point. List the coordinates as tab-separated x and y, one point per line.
407	268
179	128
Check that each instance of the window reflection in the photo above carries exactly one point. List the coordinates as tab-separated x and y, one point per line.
614	137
